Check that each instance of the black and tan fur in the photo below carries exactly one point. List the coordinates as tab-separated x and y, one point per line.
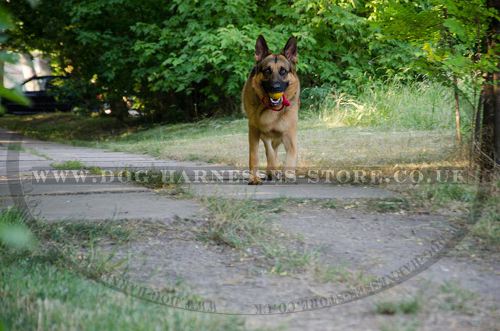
265	122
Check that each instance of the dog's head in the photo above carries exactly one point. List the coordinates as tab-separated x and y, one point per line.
275	74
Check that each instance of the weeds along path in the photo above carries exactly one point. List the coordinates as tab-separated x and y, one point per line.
248	255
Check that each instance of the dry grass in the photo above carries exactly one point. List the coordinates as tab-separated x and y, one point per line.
320	144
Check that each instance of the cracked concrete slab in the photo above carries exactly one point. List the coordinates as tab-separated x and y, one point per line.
111	206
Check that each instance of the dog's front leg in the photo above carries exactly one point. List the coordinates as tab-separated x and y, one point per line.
290	143
272	158
253	140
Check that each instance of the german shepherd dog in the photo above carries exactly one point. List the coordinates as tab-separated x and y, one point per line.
270	98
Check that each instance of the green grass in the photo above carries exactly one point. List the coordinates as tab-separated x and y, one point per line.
247	226
75	165
85	232
457	298
64	127
409	306
68	165
16	147
236	223
419	105
39	296
442	194
329	204
14	233
389	205
487	228
321	144
20	148
388	123
40	290
341	274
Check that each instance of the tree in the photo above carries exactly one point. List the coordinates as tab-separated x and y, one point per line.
448	33
489	144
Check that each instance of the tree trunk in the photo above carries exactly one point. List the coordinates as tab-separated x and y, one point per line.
458	134
496	94
489	153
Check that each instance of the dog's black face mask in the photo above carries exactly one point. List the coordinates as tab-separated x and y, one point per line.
274	87
275	70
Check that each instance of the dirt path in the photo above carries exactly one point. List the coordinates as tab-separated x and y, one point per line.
289	244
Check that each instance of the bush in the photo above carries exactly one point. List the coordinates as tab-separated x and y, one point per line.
186	60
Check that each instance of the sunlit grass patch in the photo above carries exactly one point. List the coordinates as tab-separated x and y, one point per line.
421	105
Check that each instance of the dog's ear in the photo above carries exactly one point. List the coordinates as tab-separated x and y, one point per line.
261	49
290	50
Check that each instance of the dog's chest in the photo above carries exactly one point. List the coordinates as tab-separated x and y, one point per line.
271	122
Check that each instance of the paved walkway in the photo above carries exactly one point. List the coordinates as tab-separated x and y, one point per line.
53	200
353	241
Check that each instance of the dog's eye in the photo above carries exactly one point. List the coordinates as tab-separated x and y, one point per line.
283	72
267	71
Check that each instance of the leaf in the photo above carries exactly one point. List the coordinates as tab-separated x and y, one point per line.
5	20
14	95
16	236
456	27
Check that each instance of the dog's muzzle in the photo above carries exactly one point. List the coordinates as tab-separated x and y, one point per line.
275	91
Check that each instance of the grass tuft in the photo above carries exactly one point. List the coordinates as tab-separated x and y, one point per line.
341	274
408	306
389	205
457	298
247	225
75	165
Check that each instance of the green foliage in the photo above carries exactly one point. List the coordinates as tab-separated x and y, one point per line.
446	36
10	94
443	193
186	60
14	234
189	59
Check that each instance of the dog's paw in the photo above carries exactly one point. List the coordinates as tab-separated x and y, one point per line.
290	176
255	181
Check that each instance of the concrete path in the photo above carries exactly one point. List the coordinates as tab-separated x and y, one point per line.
352	244
92	198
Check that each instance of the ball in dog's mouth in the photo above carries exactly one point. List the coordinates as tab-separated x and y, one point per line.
276	98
